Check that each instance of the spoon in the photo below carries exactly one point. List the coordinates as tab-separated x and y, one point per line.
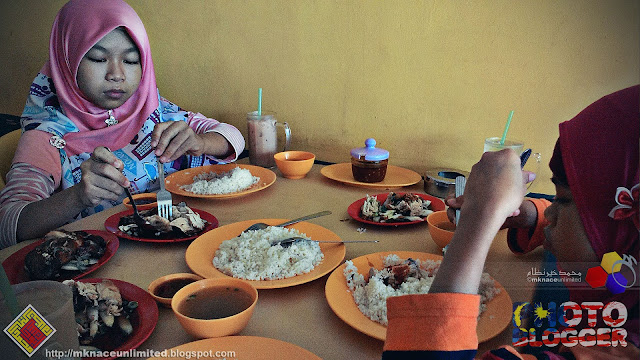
142	223
261	226
291	240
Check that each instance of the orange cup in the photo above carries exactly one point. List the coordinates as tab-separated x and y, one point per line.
202	291
162	287
440	228
294	164
144	201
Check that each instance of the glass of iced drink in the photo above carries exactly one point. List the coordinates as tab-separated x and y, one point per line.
533	165
263	138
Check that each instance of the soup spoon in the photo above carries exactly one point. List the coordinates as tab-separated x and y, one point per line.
262	226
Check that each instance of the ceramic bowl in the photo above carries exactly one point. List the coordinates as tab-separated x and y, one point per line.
163	288
144	201
440	228
294	164
202	307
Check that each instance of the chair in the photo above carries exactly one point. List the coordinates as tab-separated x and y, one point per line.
8	145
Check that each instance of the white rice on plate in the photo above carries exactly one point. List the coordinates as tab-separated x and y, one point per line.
212	183
251	255
371	296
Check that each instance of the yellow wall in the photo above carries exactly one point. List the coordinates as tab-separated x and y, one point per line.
428	79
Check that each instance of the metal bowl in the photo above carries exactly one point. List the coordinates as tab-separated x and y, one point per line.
441	181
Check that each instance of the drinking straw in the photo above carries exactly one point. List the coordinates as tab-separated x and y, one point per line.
260	102
9	296
506	128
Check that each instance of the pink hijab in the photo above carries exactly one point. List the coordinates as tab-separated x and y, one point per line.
596	154
79	25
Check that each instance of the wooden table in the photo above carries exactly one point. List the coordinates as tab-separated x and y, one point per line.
299	314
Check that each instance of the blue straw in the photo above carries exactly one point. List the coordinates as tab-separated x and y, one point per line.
260	102
506	128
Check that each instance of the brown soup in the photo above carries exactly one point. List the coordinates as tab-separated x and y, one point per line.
215	303
171	287
446	225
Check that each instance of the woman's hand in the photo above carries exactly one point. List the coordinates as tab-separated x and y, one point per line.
173	139
524	217
494	190
496	185
102	178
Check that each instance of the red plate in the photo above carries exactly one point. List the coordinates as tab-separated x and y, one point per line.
143	320
112	225
14	264
354	209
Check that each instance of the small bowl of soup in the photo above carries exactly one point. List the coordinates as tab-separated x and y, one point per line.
144	201
440	228
163	288
215	307
294	164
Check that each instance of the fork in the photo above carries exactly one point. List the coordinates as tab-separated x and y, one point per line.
165	206
461	182
288	242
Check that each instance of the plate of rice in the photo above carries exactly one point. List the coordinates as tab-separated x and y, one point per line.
220	181
226	251
368	313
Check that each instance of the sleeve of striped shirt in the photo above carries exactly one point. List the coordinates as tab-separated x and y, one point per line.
202	125
25	184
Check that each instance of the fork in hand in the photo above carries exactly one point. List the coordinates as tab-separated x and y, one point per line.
165	206
461	181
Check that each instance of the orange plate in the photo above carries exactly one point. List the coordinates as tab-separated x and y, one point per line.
185	177
396	176
245	347
496	317
200	253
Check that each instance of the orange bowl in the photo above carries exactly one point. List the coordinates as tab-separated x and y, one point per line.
215	307
144	201
163	288
440	228
294	164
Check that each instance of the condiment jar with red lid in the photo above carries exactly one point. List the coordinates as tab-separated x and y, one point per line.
369	163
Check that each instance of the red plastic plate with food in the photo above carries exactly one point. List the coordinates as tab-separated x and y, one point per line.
355	210
113	221
14	265
143	319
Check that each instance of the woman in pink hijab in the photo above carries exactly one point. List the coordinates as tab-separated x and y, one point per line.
596	172
94	123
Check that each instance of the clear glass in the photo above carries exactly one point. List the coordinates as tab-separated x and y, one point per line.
263	138
493	144
533	165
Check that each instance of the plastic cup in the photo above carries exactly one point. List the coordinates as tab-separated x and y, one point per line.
533	165
54	302
493	144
